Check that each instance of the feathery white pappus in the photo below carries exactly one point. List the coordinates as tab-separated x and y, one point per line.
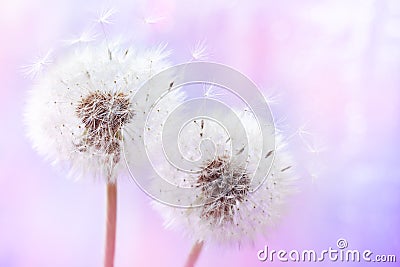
227	211
81	111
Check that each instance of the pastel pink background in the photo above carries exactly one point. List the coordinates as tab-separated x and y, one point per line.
333	64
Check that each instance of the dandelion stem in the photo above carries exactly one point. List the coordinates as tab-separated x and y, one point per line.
194	254
111	225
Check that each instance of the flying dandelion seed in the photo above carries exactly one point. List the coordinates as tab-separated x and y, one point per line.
36	68
153	19
199	51
86	36
105	15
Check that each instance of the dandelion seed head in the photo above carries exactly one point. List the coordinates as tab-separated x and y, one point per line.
80	114
103	116
225	209
222	186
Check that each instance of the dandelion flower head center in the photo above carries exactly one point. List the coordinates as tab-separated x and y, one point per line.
103	115
223	186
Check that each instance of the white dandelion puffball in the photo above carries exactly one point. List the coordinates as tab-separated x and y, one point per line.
224	209
82	110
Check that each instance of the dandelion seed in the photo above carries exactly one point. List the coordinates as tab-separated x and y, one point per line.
104	16
210	91
314	148
199	51
273	98
85	37
302	131
153	19
281	124
35	69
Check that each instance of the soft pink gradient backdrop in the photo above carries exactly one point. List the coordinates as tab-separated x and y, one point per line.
335	68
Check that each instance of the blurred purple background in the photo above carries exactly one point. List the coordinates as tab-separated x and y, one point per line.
332	67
